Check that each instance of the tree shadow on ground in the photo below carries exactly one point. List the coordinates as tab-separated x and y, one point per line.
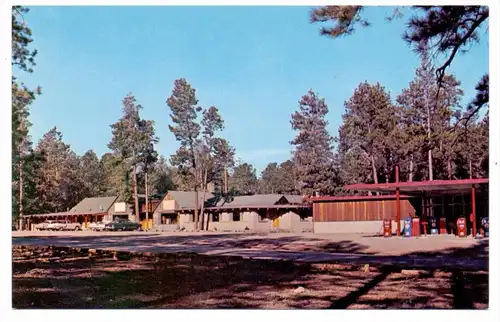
222	241
51	279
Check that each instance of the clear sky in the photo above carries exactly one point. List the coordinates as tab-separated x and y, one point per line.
253	63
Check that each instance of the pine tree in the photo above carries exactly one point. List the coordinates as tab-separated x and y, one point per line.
243	180
58	183
313	155
161	180
92	174
368	132
278	178
426	121
24	161
132	137
186	129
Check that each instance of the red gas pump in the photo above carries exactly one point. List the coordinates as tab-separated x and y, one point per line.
442	226
461	227
387	228
415	229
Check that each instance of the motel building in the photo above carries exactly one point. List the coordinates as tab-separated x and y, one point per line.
175	212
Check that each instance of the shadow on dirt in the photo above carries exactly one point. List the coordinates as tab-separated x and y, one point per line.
51	278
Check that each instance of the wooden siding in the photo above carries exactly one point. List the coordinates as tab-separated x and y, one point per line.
363	210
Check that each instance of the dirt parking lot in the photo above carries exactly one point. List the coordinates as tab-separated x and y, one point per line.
329	243
46	277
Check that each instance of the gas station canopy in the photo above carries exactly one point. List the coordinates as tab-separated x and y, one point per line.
435	187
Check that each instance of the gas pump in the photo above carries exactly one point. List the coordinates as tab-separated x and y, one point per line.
434	228
486	226
461	227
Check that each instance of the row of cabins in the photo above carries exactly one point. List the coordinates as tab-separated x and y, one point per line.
255	213
290	213
175	211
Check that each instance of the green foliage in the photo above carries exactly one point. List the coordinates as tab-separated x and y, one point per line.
132	144
186	129
161	178
22	56
243	180
92	175
369	133
313	156
278	178
58	183
24	161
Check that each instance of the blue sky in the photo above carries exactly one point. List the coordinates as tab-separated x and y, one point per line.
253	63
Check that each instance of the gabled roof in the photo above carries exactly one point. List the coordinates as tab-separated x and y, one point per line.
185	199
294	199
95	204
252	200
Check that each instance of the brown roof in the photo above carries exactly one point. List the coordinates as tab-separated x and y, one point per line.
185	199
355	198
252	200
95	204
67	213
294	199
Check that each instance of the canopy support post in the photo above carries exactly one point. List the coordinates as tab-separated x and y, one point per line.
398	205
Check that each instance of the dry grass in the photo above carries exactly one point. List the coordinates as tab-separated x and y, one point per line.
56	278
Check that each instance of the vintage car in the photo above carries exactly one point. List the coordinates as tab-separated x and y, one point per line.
97	226
42	225
120	224
52	225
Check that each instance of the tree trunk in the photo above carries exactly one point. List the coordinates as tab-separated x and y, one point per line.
195	219
410	175
374	169
136	200
225	182
147	199
429	138
20	193
470	168
450	170
205	178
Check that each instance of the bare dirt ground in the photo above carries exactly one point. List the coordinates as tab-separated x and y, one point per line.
51	277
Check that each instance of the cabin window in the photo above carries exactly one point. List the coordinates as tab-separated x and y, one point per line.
215	217
171	219
236	216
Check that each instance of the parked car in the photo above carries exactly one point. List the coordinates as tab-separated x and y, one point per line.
63	225
41	226
97	226
69	225
52	225
119	224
